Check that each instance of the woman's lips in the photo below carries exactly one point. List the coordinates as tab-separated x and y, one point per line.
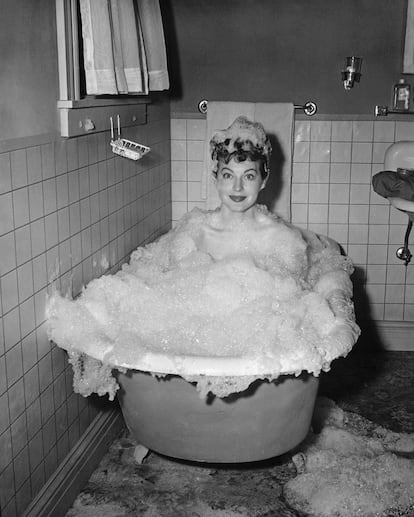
237	199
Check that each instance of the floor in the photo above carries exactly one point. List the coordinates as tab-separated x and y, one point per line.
375	384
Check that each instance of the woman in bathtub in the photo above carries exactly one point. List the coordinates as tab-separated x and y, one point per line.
233	281
239	226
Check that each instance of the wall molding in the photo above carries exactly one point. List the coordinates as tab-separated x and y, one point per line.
62	488
397	336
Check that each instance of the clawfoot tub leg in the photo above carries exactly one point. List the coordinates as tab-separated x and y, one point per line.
133	452
140	453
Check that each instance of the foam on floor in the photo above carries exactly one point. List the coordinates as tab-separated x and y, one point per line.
352	468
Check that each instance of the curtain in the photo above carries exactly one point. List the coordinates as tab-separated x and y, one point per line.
124	46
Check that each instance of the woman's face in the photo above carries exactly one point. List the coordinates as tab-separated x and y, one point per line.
238	184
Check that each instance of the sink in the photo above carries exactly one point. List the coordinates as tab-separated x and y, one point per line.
399	155
404	205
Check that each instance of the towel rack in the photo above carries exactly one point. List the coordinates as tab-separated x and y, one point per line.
309	108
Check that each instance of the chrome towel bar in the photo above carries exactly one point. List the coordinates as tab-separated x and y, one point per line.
309	108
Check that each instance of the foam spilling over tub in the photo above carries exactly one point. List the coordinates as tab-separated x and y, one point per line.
266	300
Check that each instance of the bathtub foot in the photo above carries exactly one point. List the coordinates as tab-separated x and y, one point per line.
140	453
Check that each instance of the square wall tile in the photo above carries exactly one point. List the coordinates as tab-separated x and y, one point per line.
378	152
361	173
359	194
302	131
34	164
7	253
178	129
195	150
338	232
363	131
179	208
358	253
376	274
384	131
196	129
178	150
378	234
178	171
300	173
377	254
341	131
340	152
6	213
194	191
179	191
340	173
318	213
320	130
299	213
320	152
194	170
301	152
403	131
21	207
5	173
339	194
396	275
49	196
11	328
300	193
318	172
358	233
376	292
47	152
361	152
394	311
9	291
318	193
14	364
18	164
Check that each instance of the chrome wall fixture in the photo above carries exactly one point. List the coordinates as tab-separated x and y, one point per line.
383	111
309	108
351	73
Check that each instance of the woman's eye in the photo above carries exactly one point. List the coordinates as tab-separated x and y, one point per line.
250	176
226	175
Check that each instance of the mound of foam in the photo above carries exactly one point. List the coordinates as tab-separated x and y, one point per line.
352	467
275	303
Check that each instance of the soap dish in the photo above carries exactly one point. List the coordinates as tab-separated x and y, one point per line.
124	147
129	149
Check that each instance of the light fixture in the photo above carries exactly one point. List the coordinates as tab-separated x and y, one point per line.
351	72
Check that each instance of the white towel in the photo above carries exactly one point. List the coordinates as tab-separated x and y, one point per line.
277	120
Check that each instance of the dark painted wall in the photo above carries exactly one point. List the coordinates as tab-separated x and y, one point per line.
284	50
28	76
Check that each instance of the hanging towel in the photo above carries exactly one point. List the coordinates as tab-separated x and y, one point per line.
154	42
277	120
97	48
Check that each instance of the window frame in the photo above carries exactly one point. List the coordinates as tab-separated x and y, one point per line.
91	108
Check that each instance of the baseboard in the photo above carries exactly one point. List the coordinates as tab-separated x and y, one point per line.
60	491
393	335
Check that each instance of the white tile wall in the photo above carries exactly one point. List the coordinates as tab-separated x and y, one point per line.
333	164
64	206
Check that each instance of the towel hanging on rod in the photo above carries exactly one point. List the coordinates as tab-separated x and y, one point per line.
309	108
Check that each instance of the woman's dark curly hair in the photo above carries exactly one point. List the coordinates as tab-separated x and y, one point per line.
243	140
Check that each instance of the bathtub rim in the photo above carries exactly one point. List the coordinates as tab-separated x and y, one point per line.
229	366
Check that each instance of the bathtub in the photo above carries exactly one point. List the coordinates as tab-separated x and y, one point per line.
167	415
159	392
